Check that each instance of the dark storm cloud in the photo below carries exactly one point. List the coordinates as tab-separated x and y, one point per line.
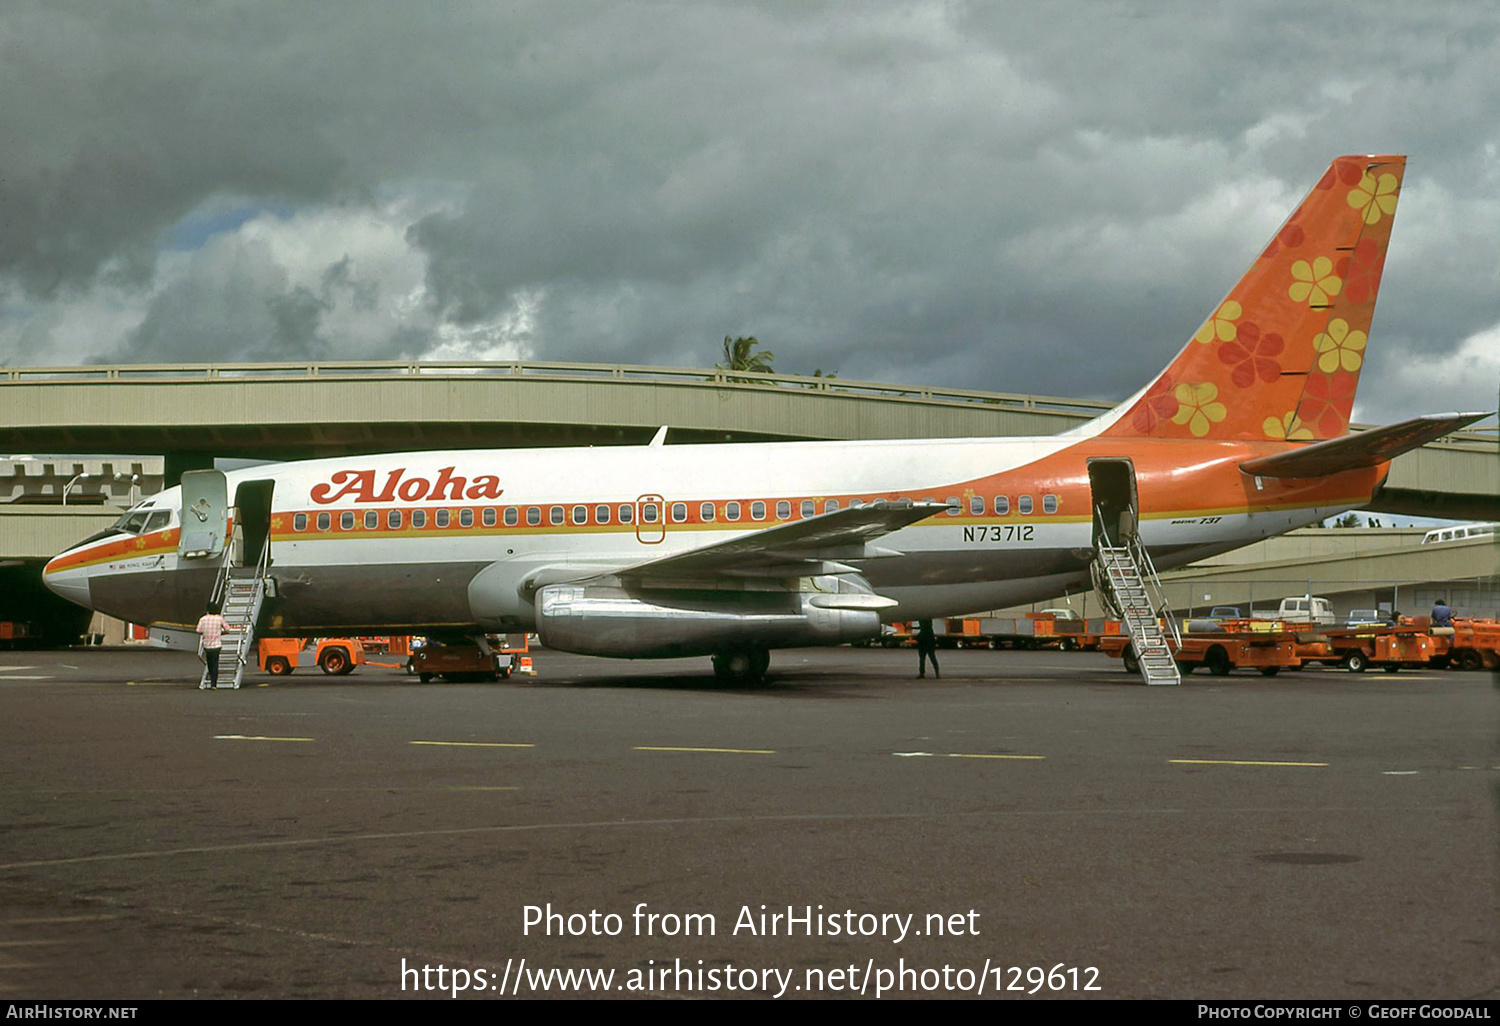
1043	198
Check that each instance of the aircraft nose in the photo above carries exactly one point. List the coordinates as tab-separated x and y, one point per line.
63	576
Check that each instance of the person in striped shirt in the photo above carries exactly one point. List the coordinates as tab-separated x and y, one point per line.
212	626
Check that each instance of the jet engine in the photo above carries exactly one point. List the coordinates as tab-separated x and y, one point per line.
611	619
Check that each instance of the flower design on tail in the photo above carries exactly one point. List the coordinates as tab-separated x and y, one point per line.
1159	403
1314	284
1287	428
1374	198
1200	410
1221	325
1339	348
1325	402
1252	356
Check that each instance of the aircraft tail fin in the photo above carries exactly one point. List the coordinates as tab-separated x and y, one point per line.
1280	356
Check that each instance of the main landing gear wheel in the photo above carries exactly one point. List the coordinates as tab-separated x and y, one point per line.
742	666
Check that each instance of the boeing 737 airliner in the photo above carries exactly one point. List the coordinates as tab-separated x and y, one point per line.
733	550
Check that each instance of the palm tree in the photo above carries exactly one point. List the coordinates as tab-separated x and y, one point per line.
740	355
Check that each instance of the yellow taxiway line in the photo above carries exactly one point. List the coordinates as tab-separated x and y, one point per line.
472	744
713	751
1239	762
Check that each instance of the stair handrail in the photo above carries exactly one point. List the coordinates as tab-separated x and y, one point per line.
1156	592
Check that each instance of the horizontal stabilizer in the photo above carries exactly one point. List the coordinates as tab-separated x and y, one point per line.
1363	449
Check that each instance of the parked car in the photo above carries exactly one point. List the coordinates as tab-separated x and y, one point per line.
1224	613
1367	618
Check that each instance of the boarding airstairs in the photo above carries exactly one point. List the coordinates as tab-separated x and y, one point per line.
242	591
1127	584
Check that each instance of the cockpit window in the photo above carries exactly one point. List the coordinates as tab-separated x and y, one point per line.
131	523
157	521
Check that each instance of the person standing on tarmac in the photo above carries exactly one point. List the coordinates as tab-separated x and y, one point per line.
926	649
212	626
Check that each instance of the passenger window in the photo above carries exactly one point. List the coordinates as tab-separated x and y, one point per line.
555	516
512	517
1023	505
757	510
299	522
809	508
1002	505
706	511
580	515
346	520
533	515
440	518
679	512
976	505
783	510
648	513
372	520
1049	503
831	506
393	520
627	513
466	518
325	521
419	518
601	514
731	511
488	517
955	507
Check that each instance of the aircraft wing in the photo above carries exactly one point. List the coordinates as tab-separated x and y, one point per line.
810	546
1364	449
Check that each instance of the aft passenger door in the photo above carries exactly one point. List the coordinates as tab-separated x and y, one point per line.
205	514
1116	508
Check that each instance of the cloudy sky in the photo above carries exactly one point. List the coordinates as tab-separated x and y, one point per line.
1021	196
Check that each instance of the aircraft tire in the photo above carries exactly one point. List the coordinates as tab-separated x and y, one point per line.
742	666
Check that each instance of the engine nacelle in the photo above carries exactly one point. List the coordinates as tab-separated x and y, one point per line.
610	620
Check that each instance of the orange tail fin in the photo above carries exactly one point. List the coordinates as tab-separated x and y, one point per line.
1280	357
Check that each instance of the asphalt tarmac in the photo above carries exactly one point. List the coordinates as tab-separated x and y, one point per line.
1029	821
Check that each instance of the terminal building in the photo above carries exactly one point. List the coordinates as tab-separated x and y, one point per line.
178	418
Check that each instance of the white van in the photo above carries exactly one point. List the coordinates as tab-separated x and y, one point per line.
1306	609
